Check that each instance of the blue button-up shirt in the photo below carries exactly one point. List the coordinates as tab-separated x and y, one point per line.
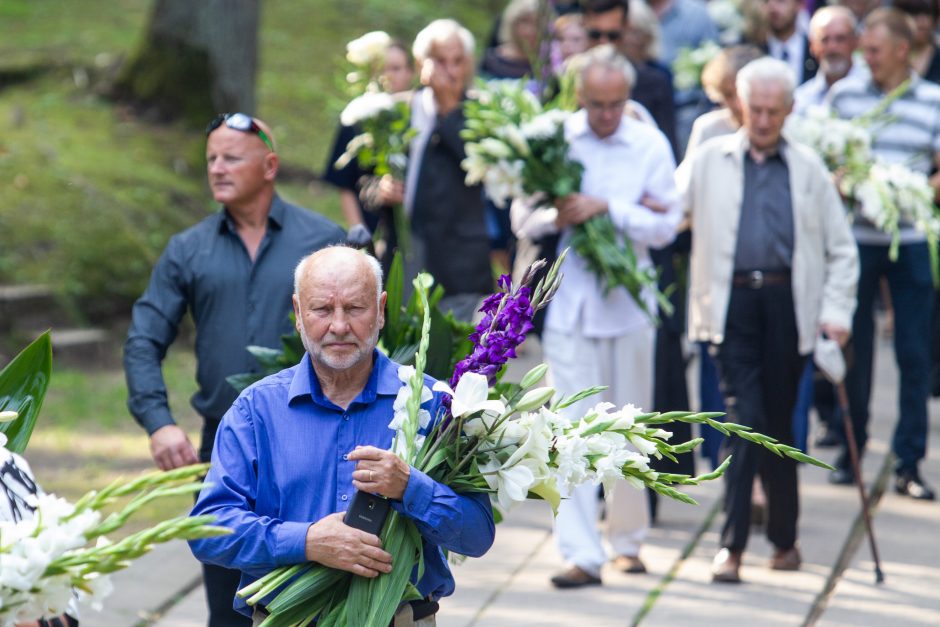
280	464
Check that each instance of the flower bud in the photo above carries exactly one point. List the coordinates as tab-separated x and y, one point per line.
533	399
8	416
533	376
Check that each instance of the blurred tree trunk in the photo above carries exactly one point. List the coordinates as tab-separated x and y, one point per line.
198	58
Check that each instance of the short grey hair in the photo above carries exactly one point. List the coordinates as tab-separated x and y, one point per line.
828	14
371	261
765	70
440	31
605	56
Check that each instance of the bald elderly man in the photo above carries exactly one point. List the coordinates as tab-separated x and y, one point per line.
324	423
231	272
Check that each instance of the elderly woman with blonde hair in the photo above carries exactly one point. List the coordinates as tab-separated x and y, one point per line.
520	32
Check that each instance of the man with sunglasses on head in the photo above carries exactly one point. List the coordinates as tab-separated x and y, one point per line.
231	271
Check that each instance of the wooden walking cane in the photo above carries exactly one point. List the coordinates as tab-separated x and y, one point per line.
856	469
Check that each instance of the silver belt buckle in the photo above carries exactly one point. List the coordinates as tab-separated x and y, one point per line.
756	280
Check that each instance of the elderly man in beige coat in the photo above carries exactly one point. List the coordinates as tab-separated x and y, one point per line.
774	267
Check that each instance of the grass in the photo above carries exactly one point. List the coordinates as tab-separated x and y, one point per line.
95	192
85	437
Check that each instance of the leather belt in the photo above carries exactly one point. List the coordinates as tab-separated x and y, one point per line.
757	279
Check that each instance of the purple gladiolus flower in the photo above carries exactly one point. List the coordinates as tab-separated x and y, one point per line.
507	318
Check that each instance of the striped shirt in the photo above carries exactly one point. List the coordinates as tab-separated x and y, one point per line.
910	137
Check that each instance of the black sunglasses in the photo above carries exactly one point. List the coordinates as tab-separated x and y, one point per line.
609	35
239	122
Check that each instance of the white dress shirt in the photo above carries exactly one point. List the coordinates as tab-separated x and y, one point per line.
634	162
795	48
423	121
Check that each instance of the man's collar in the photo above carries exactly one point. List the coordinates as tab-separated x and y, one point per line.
738	145
579	127
914	79
275	216
383	381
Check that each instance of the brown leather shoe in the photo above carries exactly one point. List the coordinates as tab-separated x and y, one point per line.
575	577
726	566
629	564
786	559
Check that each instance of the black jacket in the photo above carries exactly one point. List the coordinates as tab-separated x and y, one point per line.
448	215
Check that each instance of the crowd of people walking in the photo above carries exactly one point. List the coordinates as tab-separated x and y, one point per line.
745	223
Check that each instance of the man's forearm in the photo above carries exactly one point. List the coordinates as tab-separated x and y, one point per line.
456	522
146	389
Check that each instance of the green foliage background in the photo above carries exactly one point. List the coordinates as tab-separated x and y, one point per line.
89	193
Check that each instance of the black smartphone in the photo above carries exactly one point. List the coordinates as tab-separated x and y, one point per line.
367	512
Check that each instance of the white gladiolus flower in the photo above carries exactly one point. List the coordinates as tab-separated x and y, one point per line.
643	445
571	461
400	415
366	106
628	414
368	49
470	396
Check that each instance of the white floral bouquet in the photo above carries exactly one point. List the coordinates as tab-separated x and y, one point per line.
513	441
885	195
518	150
728	16
893	194
366	58
843	145
51	551
689	63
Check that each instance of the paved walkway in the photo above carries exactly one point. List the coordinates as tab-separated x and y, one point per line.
509	586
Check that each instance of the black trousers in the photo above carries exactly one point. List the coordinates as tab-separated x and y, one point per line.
759	367
220	583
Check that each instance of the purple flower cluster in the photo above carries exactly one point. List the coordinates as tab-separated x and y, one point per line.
507	318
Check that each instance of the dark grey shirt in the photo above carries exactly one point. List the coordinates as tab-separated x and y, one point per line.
765	231
234	303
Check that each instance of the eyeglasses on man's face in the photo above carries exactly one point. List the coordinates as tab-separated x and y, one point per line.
612	36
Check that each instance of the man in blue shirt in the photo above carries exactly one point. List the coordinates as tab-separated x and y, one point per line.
230	272
293	449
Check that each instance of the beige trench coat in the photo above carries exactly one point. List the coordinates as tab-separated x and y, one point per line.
825	256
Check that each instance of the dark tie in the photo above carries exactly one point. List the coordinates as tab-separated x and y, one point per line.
785	56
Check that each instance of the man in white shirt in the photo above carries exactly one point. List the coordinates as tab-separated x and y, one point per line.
832	40
591	338
787	41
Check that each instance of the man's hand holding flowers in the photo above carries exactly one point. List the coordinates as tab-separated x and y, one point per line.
578	208
333	543
380	472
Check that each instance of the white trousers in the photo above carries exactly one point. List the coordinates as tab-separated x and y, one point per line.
625	365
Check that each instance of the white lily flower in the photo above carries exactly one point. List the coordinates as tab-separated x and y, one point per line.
470	396
535	398
8	416
511	483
